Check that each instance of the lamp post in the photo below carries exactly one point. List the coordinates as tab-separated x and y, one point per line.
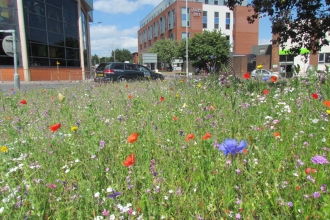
10	47
114	53
187	38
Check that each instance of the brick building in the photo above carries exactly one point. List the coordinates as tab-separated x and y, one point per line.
169	18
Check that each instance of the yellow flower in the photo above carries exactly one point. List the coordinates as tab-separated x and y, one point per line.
74	128
259	66
177	96
61	97
4	149
199	85
328	111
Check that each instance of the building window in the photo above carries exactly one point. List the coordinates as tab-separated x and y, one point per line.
262	51
216	2
185	19
227	20
204	19
53	36
206	1
286	58
228	39
216	20
183	35
324	57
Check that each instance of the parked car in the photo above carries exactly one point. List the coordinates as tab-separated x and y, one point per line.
98	72
118	71
262	73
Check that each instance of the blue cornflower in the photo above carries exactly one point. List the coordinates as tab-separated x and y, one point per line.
212	68
231	146
114	195
212	56
197	69
265	78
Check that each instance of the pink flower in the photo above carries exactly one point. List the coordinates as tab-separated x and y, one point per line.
105	212
52	186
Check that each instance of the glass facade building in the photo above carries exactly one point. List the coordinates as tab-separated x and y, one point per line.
56	31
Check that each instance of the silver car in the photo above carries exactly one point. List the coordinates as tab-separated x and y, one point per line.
263	74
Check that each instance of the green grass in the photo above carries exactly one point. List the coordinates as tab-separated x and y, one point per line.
70	175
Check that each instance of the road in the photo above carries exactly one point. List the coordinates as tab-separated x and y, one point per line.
6	86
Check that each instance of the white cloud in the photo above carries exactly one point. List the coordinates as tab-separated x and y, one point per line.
264	41
107	38
122	6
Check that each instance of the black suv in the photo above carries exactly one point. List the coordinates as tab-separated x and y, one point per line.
98	73
116	71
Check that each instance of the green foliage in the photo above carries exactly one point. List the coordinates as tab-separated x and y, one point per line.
209	46
304	23
72	173
122	55
166	49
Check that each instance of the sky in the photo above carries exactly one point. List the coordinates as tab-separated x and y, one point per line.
121	22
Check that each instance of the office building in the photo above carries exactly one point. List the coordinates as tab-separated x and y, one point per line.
169	19
53	40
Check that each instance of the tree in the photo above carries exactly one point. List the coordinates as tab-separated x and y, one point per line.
122	55
303	23
166	49
209	46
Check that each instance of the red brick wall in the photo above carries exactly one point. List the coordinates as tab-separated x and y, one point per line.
275	59
264	60
45	74
245	34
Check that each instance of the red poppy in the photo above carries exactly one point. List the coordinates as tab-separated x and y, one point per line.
247	75
206	136
133	137
315	96
54	127
175	118
162	99
23	102
266	92
190	137
297	187
277	134
126	85
130	160
273	78
171	88
45	90
212	107
310	170
182	80
327	103
130	96
245	151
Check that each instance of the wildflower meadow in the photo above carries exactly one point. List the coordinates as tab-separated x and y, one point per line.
211	148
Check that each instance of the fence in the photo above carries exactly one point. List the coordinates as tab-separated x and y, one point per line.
43	74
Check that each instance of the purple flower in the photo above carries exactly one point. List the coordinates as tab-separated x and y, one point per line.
290	204
101	144
324	188
316	195
114	195
319	160
231	146
265	78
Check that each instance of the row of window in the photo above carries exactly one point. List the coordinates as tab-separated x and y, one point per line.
216	2
216	20
159	27
323	58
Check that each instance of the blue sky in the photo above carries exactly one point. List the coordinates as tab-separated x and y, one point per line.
121	21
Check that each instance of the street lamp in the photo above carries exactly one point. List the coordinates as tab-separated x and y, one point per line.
114	53
100	22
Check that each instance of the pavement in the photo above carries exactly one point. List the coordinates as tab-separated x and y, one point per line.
7	85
